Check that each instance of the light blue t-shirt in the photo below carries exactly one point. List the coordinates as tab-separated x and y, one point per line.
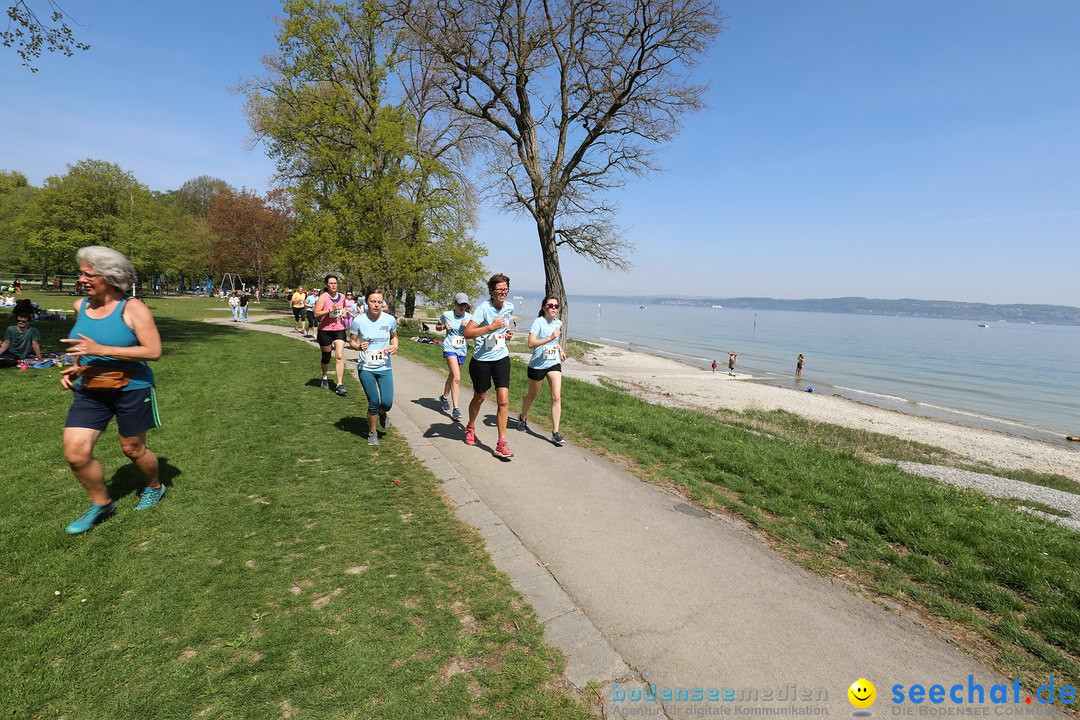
491	346
455	327
547	355
377	333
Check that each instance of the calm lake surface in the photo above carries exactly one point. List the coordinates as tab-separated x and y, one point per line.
1018	378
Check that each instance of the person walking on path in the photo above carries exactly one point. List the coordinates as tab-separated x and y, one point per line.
799	364
309	311
731	358
491	359
234	305
296	302
374	334
244	300
113	338
454	352
546	361
330	314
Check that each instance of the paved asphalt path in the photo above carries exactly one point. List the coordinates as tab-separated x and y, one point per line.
641	590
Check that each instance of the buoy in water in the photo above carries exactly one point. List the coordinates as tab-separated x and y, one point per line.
810	389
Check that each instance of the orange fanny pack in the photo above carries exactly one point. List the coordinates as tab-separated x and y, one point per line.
100	378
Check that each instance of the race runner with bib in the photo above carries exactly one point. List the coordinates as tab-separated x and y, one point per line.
377	335
545	337
490	328
492	346
374	334
454	342
454	351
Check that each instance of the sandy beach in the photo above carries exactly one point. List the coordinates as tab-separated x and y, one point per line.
669	382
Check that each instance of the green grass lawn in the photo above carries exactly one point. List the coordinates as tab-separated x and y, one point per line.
1005	584
290	571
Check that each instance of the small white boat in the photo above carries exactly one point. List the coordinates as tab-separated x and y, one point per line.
642	307
984	325
718	307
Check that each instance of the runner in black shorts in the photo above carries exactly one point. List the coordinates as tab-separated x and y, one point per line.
330	313
545	341
296	302
488	326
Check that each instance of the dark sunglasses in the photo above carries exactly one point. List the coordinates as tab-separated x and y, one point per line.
552	305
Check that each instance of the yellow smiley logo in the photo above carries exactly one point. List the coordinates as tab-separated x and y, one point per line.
862	693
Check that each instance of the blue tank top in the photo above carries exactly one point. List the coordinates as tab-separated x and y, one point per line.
111	330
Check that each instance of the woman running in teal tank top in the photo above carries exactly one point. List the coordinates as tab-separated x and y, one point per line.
113	338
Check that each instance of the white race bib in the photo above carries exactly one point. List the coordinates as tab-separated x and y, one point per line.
551	352
497	341
374	357
455	341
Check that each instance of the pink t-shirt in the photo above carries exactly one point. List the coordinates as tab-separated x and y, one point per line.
329	322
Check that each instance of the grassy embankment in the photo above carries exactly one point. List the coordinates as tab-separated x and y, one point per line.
1005	584
285	574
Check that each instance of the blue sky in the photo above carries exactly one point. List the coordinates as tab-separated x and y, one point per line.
920	149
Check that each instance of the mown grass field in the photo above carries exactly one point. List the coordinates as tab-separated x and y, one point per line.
290	571
1004	584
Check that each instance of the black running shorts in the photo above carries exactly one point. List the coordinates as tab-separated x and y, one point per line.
483	372
541	373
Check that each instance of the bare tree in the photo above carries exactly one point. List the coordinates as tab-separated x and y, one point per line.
31	34
575	96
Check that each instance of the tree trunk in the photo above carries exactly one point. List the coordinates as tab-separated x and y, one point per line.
410	303
553	282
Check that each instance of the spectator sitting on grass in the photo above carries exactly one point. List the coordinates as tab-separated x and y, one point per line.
21	340
8	301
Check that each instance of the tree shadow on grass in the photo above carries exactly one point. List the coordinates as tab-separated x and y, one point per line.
127	479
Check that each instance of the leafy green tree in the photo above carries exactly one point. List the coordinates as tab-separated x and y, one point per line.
371	200
188	250
94	203
16	194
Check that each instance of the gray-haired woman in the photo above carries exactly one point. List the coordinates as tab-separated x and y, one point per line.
113	338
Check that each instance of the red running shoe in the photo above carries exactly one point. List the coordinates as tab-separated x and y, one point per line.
502	450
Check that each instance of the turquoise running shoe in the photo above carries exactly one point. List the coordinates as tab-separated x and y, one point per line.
150	497
96	515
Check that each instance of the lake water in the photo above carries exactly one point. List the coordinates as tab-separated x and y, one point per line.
1019	378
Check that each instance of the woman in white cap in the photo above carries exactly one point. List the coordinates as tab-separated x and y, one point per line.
454	351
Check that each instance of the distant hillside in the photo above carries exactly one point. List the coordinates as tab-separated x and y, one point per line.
981	312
